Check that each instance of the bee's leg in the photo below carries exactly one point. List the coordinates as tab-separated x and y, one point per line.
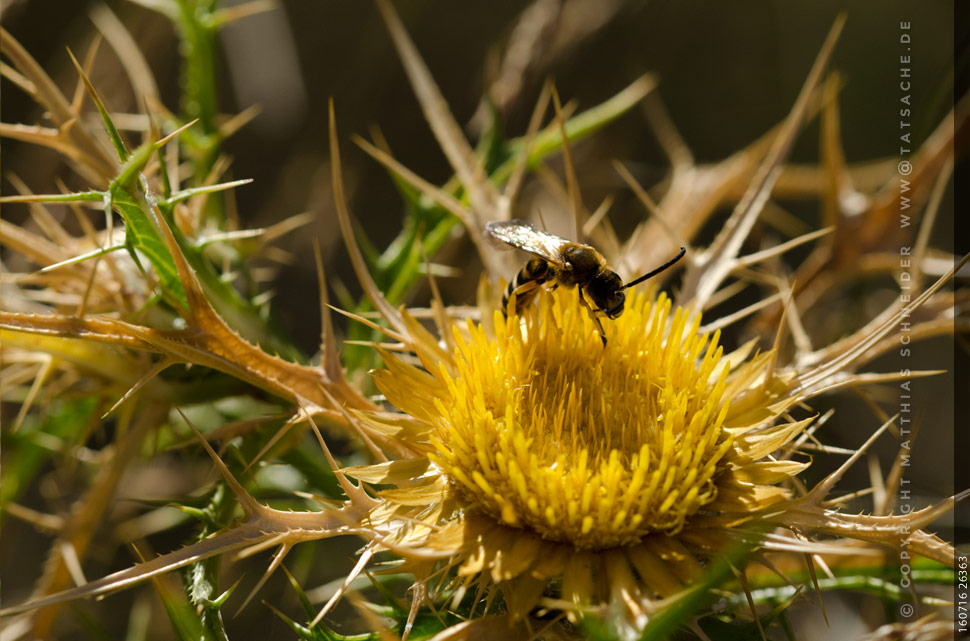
518	298
534	274
592	314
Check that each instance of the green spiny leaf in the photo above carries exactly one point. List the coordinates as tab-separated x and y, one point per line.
142	236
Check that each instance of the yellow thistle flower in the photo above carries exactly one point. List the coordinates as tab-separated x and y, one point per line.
584	444
556	456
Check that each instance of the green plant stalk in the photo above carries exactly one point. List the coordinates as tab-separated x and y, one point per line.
202	578
198	30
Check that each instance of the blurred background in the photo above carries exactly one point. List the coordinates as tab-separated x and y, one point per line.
727	73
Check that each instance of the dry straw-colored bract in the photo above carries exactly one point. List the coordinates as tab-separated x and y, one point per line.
518	459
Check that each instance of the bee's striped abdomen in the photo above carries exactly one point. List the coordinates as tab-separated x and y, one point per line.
536	271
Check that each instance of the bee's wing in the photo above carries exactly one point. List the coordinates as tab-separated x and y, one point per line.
528	238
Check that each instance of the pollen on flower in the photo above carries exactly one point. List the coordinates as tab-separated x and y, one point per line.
545	428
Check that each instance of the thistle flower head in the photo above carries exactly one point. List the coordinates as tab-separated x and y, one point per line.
554	455
593	445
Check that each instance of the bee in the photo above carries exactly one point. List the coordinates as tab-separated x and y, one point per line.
558	261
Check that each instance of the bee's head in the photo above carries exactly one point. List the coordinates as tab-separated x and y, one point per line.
606	292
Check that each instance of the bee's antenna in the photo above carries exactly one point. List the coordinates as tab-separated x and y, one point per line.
665	266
